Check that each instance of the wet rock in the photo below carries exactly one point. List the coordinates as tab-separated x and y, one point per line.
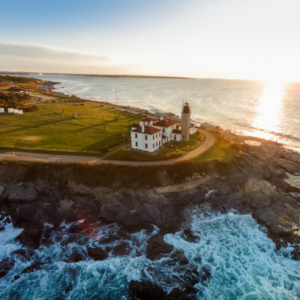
97	253
6	265
75	228
111	208
75	257
189	236
290	166
52	216
27	254
179	257
16	277
1	190
145	290
178	294
34	267
121	249
65	210
68	289
157	247
150	214
280	152
22	193
235	200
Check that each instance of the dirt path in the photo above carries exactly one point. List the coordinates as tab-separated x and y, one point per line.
52	158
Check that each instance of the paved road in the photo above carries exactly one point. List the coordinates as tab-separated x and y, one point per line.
52	158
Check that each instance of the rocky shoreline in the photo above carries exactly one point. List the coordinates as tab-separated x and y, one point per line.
32	195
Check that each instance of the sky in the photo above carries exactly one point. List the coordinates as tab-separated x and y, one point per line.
242	39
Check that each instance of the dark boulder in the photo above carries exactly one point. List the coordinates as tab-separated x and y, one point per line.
157	247
97	253
179	257
122	249
5	265
150	214
76	257
34	267
145	290
25	253
178	294
189	236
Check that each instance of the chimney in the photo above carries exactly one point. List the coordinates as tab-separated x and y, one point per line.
141	123
151	123
143	128
161	118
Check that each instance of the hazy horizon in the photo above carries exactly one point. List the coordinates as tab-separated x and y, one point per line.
239	39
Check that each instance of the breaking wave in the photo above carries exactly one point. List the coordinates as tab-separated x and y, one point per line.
243	262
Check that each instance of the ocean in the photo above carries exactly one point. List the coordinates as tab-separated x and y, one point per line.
242	260
269	110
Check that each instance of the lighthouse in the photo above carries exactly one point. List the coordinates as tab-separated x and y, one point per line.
185	122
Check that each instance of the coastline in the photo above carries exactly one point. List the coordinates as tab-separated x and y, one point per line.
55	205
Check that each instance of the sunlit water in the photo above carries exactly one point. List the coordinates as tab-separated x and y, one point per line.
269	110
243	262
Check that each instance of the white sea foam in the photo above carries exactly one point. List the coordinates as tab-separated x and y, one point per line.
242	260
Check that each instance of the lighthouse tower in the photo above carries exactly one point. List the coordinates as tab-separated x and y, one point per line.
185	122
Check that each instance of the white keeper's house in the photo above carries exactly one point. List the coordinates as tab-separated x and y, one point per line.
152	133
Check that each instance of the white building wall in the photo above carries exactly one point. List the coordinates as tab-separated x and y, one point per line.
140	138
177	135
167	131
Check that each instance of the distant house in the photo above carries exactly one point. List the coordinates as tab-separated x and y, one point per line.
1	110
150	134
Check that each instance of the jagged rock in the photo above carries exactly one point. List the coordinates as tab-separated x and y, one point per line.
66	211
280	152
24	193
189	236
122	249
1	190
78	189
157	247
5	265
111	208
234	200
178	294
145	290
75	257
179	257
149	213
260	192
97	253
34	267
288	165
155	198
277	218
27	254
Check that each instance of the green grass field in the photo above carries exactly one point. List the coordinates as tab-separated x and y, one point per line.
48	129
221	151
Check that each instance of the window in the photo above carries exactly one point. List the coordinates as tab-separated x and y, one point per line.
159	134
154	137
136	135
146	137
146	146
174	137
153	145
136	143
163	130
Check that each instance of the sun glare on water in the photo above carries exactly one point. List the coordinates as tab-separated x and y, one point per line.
268	110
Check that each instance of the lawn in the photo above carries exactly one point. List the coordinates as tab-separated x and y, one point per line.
221	150
127	155
53	128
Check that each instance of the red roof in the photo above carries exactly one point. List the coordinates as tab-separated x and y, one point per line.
148	130
149	120
164	123
135	125
176	131
164	137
